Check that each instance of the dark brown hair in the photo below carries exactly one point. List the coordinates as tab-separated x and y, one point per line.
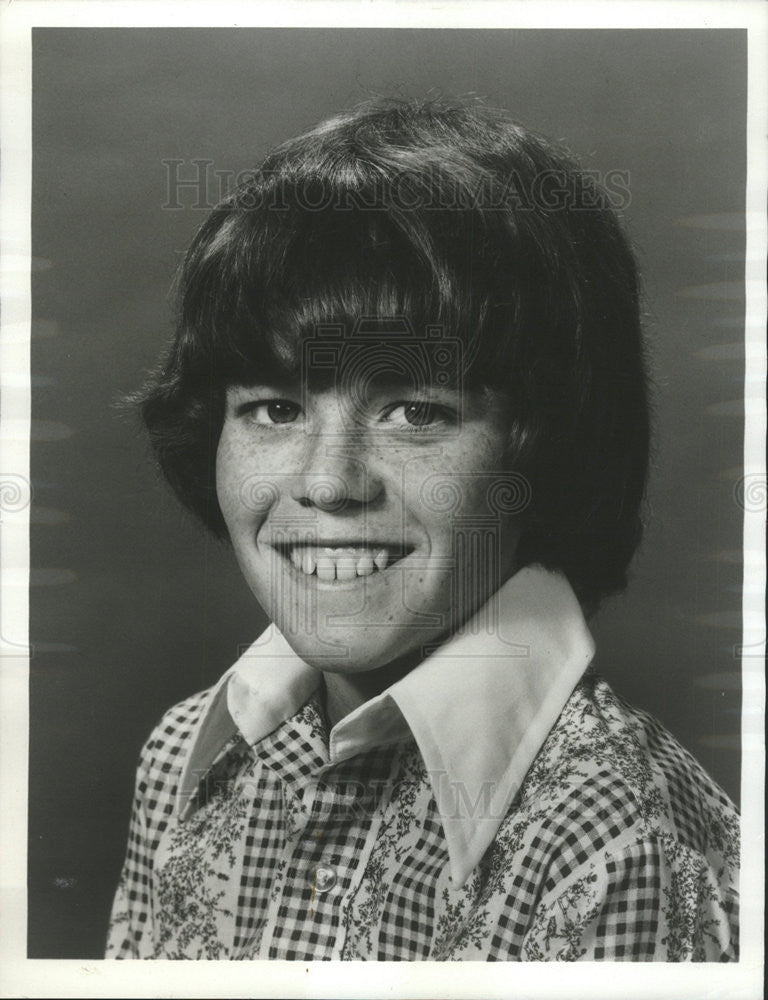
439	216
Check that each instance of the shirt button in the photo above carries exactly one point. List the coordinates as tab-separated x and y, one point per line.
324	878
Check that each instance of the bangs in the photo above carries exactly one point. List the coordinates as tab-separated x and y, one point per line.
272	291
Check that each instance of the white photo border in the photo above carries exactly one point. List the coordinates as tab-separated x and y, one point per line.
37	978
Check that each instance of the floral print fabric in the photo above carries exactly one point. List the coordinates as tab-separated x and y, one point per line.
617	846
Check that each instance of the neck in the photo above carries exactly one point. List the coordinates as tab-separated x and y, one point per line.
345	692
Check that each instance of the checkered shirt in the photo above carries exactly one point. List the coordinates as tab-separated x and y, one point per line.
617	846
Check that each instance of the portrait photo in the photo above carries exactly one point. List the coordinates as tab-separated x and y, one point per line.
393	502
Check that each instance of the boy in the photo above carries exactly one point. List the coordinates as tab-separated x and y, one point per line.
408	386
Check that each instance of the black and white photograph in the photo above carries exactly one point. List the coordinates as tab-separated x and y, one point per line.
383	499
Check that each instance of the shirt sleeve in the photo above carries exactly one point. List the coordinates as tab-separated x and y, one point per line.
129	934
655	900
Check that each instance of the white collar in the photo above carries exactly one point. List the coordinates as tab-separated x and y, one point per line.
479	708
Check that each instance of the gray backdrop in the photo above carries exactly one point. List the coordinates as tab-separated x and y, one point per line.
132	606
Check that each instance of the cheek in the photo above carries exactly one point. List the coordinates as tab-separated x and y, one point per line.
467	501
227	478
459	481
238	486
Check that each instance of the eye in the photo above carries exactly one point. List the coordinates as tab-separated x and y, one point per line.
270	411
418	415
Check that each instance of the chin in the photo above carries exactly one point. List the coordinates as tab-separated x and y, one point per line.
350	655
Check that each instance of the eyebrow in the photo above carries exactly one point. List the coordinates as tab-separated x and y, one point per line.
327	383
280	383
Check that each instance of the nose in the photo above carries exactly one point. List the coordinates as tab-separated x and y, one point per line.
335	473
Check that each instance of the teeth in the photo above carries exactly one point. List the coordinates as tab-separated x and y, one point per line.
345	563
308	563
364	565
346	568
326	568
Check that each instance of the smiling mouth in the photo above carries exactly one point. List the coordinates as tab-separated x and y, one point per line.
344	562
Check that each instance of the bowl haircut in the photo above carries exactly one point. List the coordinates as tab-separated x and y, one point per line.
400	224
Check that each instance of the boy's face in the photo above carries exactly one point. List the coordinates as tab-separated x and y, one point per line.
370	520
